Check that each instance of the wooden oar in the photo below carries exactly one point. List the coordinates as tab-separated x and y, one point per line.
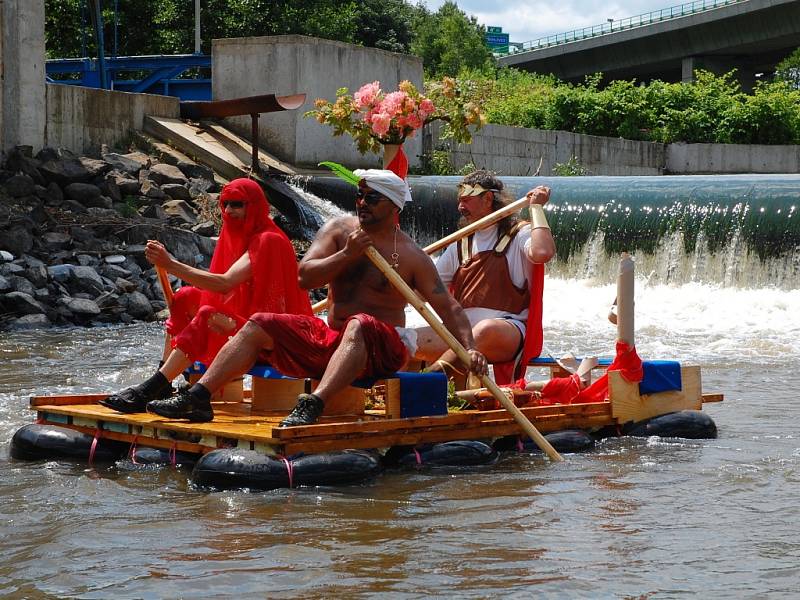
166	288
457	235
412	298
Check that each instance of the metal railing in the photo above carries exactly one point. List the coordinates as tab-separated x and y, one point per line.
614	26
144	74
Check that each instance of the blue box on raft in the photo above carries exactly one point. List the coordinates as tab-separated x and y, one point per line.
407	394
660	376
422	394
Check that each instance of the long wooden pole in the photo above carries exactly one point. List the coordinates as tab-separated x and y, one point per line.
166	288
481	223
412	298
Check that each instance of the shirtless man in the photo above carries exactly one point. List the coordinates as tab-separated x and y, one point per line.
362	337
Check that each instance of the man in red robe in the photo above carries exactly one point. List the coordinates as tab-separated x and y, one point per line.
253	269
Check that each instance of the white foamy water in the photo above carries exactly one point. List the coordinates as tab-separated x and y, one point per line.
324	208
694	321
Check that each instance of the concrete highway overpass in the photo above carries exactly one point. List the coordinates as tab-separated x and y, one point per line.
749	35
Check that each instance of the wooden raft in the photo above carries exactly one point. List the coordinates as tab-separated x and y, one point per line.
253	423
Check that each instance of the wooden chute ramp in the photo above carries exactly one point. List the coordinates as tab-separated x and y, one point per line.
200	134
213	145
252	422
204	137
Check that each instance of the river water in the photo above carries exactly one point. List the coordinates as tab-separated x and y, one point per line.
639	518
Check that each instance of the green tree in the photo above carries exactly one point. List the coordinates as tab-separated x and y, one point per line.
448	41
167	26
386	24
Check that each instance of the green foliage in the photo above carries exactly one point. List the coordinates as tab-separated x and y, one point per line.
769	116
129	206
712	109
788	70
386	24
342	172
439	163
518	97
167	26
448	41
571	168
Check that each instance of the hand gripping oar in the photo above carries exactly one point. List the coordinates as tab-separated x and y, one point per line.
412	298
457	235
166	288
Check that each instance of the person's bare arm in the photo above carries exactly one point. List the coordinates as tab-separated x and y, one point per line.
431	288
542	246
221	283
328	256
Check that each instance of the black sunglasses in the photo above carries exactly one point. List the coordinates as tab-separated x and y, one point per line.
371	198
232	204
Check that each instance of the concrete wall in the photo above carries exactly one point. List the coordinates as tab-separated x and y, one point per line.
22	103
292	64
81	119
517	151
690	159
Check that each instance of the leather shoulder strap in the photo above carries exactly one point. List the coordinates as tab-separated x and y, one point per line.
465	249
502	244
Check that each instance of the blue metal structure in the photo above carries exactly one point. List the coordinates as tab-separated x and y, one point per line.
162	74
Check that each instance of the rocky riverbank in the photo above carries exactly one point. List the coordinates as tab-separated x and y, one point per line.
73	229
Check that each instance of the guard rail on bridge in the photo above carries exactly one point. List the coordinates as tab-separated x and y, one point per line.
614	26
144	74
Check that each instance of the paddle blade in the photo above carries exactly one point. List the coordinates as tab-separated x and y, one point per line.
341	172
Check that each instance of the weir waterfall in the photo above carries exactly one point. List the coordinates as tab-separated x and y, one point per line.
738	231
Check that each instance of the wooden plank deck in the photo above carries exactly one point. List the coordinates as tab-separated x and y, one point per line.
235	426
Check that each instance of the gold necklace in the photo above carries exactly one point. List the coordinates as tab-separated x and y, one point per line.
395	255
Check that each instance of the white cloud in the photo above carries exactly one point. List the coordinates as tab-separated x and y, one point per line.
525	20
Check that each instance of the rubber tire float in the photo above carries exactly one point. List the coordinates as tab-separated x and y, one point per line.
689	424
239	469
461	453
567	441
42	442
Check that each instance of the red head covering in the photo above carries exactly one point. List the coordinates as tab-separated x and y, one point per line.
273	286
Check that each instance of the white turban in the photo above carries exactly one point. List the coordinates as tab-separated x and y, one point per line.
387	183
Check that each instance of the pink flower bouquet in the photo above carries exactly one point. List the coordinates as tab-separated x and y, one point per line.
373	117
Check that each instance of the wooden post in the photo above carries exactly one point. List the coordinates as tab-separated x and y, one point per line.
625	302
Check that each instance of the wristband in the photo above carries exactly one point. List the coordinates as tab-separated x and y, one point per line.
538	218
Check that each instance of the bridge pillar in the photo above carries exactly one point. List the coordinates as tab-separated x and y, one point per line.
23	110
719	65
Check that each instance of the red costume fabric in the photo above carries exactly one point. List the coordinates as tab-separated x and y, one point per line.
399	164
505	373
566	390
273	286
304	344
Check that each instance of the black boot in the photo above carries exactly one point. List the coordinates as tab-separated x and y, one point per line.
134	399
306	411
185	405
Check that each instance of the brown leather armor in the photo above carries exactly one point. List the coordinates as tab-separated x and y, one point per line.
484	281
